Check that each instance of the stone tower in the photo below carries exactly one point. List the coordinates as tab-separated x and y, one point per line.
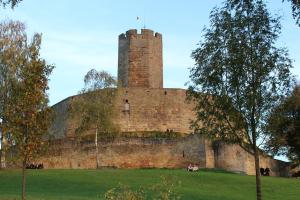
140	59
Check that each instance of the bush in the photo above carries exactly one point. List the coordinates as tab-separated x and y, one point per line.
124	193
165	190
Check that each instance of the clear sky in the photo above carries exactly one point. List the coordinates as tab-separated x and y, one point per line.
80	35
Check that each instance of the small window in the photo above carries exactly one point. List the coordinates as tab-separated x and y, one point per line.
165	92
126	106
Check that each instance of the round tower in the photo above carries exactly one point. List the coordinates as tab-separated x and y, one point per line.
140	59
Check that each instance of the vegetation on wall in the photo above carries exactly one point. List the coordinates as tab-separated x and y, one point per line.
153	134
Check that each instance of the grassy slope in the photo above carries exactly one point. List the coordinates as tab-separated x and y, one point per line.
92	184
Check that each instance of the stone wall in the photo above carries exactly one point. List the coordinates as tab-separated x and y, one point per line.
156	152
154	110
60	124
150	110
127	152
234	158
140	61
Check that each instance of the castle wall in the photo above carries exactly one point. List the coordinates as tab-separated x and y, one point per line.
154	110
130	152
209	155
234	158
150	110
140	61
155	152
60	125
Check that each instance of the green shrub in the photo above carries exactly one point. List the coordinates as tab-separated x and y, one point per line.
165	190
124	193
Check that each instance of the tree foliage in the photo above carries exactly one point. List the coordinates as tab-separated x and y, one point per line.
94	103
93	107
28	117
295	9
24	82
11	3
12	37
240	75
283	128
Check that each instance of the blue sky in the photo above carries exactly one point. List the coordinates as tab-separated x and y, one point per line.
81	35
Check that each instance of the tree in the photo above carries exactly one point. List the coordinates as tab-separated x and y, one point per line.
93	107
283	128
11	3
12	42
27	115
296	10
239	76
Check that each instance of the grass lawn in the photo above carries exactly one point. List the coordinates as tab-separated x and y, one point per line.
92	184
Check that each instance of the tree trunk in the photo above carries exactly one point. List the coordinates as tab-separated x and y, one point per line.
256	160
2	153
0	159
24	179
1	144
257	174
96	145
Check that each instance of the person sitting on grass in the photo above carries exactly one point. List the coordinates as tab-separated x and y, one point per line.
262	171
267	171
195	168
190	167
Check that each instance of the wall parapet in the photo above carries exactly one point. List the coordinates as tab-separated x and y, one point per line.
143	33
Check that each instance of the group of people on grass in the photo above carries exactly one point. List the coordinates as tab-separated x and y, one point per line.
265	172
193	167
35	166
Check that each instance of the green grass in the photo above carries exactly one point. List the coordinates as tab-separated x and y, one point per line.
92	184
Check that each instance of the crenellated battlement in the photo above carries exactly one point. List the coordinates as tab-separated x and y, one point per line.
143	33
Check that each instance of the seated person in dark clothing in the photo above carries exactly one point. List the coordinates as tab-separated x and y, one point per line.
40	166
262	171
190	167
267	172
